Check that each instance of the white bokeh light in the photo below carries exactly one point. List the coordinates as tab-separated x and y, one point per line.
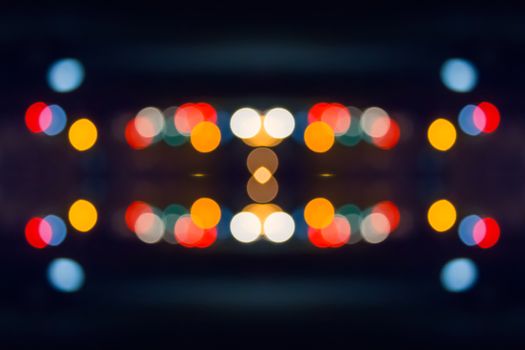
245	123
279	123
149	228
375	228
279	227
245	227
149	122
375	122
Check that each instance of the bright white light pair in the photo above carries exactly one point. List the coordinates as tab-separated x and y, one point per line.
278	122
278	227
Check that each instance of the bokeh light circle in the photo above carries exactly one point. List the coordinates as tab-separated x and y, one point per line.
319	213
245	123
245	227
205	213
319	137
83	134
459	75
459	275
279	227
65	275
442	215
442	134
65	75
279	123
82	215
205	137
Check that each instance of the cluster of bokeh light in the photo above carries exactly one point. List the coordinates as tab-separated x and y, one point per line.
331	228
258	129
51	120
196	122
330	122
51	230
193	228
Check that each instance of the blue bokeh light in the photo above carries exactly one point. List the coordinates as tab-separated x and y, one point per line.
65	275
65	75
466	120
58	121
459	75
466	229
459	275
58	229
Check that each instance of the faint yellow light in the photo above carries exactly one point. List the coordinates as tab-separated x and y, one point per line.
442	134
262	175
82	215
198	175
319	137
205	213
319	213
205	137
82	134
326	175
442	215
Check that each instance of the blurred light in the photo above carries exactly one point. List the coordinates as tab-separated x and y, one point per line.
466	229
58	230
262	211
133	211
187	233
82	215
319	137
459	275
134	139
32	117
205	213
262	175
337	233
353	135
205	137
375	122
187	117
338	117
441	215
65	275
466	120
390	211
492	117
279	123
375	228
441	134
149	122
65	75
390	139
171	135
459	75
57	121
262	157
279	227
34	227
245	123
149	228
486	233
83	134
353	215
245	227
319	213
262	192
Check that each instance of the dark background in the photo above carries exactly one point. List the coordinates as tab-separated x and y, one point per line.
164	55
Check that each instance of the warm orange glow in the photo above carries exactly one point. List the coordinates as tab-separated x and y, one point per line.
319	213
205	137
205	213
319	137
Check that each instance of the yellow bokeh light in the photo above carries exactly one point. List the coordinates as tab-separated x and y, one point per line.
319	213
319	137
262	210
82	134
205	137
262	139
442	215
205	213
82	215
262	175
442	134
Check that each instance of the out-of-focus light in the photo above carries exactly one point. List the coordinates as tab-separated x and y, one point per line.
58	120
262	192
58	230
149	228
442	215
37	233
390	139
32	117
245	123
279	123
134	139
338	232
82	134
319	213
486	233
205	137
279	227
319	137
353	135
245	227
442	134
205	213
459	275
491	117
375	122
188	115
187	233
65	275
262	157
65	75
149	122
390	211
467	122
133	211
353	215
262	175
82	215
171	135
466	229
459	75
375	227
335	115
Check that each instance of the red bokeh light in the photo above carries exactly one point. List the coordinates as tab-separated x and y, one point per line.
390	211
32	117
32	233
492	117
134	139
134	211
486	233
391	138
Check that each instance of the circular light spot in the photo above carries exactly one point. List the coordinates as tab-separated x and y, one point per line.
57	121
82	215
58	230
279	123
134	139
33	232
65	275
149	122
319	137
245	123
149	228
459	275
466	120
262	192
466	229
187	233
83	134
337	233
375	122
32	117
441	215
133	211
245	227
486	233
459	75
390	211
205	213
375	228
65	75
441	134
338	117
205	137
319	213
262	157
491	117
279	227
